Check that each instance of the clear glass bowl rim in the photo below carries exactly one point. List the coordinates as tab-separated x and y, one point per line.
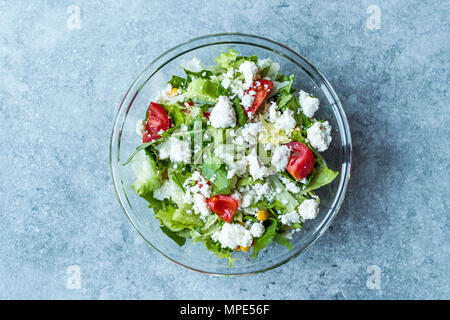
228	38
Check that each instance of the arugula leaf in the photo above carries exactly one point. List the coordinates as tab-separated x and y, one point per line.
240	59
287	89
290	101
176	177
322	177
286	99
172	235
278	238
178	82
240	113
204	74
251	218
296	226
265	239
154	203
141	147
220	184
262	205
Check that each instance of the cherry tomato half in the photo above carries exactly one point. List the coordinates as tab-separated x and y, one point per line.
301	160
157	120
262	89
224	206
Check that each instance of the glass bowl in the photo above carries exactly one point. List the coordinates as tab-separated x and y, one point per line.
124	141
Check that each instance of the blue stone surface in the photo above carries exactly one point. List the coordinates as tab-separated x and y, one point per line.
60	87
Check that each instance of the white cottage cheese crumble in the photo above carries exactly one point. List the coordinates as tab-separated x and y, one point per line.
228	78
309	209
226	153
248	198
141	127
197	190
250	132
286	122
272	114
196	184
200	206
257	230
176	150
290	218
280	157
263	190
249	70
256	167
290	186
223	114
247	101
232	236
319	135
309	104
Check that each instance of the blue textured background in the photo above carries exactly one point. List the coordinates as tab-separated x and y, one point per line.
59	92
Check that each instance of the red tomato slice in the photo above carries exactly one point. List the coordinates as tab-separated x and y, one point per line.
224	206
262	89
157	120
301	161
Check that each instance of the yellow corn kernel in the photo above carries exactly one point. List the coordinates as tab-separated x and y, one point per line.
174	91
263	215
244	249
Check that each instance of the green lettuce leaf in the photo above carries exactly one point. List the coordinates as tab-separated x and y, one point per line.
284	196
210	226
272	134
218	250
212	167
202	90
226	58
247	181
176	219
177	116
148	177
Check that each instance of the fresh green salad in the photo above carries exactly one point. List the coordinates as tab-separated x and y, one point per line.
230	156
